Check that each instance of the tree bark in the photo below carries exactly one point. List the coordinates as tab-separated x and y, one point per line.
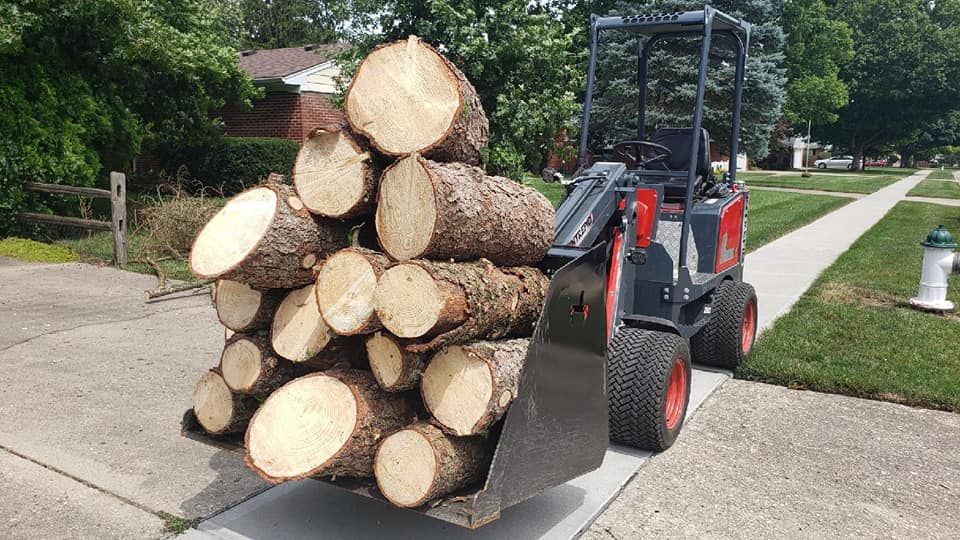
394	368
323	424
336	173
454	211
406	97
421	463
218	410
265	238
242	308
467	388
345	289
300	335
248	365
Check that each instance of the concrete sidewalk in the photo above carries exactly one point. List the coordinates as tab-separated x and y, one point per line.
95	381
784	269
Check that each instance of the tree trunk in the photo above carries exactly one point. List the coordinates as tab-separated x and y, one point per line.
300	335
394	368
420	463
447	211
265	238
218	410
345	288
459	302
242	308
323	424
406	97
336	174
467	388
248	365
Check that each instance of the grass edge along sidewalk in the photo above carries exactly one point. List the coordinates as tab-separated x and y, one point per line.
852	332
939	184
842	182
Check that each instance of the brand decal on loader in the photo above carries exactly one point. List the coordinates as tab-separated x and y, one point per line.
582	230
729	243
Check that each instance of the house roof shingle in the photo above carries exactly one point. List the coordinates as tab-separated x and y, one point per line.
272	63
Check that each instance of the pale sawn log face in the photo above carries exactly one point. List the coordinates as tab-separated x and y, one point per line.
242	308
444	211
265	238
299	334
249	366
423	85
323	424
335	173
345	290
412	303
218	410
467	388
420	463
394	368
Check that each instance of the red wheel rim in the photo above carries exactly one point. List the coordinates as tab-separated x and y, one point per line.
749	327
676	393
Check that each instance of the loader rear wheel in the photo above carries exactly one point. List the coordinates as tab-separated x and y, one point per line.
648	387
728	336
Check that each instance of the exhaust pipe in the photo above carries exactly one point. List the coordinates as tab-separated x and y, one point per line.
939	261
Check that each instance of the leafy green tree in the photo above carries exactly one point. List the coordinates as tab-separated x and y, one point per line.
83	84
269	24
518	58
816	46
672	77
904	73
941	134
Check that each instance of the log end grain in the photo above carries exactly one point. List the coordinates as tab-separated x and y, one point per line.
345	290
394	368
233	233
333	174
217	409
298	332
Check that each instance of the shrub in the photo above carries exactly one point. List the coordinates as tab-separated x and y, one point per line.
172	224
228	165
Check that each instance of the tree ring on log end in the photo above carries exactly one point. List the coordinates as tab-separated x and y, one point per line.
237	303
329	172
406	210
234	232
408	301
406	468
345	289
213	403
457	389
389	359
241	364
505	398
308	260
295	203
298	332
301	427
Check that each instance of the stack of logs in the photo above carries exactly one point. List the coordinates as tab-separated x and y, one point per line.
394	358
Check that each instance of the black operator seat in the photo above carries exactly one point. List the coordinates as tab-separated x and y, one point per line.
679	141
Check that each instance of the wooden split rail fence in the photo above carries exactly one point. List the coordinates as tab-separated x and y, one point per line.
118	210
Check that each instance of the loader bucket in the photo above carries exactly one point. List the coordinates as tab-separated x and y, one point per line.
556	428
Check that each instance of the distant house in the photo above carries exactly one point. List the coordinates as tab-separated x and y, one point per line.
298	81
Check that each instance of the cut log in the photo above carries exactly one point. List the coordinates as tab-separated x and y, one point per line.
394	368
248	366
467	388
299	334
335	174
323	424
406	97
218	410
242	308
420	463
458	302
264	237
444	211
345	289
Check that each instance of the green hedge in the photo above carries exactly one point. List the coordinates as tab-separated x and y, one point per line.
231	164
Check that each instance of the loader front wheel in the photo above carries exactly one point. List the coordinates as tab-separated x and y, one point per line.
648	387
728	336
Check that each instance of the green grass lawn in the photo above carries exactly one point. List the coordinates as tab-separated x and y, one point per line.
852	332
33	251
98	248
938	184
841	181
775	213
552	191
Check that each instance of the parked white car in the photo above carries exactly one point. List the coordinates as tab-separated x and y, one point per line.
835	162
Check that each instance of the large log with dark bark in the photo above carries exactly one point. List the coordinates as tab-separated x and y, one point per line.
467	388
345	289
444	211
323	424
218	410
420	463
458	302
299	334
242	308
266	238
406	97
336	174
395	368
248	365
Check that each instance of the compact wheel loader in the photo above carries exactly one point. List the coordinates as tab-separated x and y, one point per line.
646	278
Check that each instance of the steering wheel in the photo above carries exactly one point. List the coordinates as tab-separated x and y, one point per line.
633	151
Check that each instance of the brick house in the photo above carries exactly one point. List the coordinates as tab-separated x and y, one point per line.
298	84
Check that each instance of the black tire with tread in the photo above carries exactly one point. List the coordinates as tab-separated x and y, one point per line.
638	371
718	343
